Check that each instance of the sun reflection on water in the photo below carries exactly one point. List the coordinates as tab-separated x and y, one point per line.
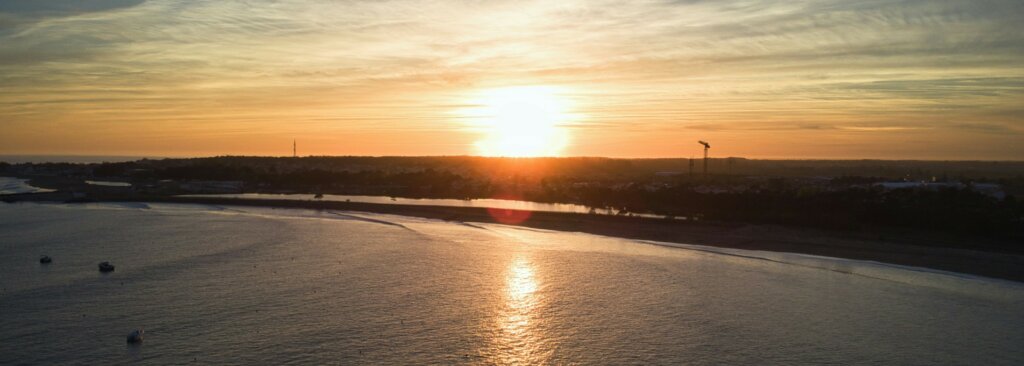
519	338
521	284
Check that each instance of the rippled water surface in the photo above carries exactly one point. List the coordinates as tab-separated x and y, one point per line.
224	285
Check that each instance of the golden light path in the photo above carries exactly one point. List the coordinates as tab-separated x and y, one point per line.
520	121
519	339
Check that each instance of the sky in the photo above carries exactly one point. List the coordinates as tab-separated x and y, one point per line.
898	79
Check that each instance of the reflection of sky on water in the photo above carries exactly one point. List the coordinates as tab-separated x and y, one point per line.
482	203
250	285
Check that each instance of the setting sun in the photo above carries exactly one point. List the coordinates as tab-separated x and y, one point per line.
520	121
512	182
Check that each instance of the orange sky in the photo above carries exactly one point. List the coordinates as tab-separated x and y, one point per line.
774	79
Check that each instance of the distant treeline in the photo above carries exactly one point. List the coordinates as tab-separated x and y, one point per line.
949	210
607	168
801	193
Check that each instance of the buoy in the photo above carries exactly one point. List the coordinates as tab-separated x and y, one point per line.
136	336
106	267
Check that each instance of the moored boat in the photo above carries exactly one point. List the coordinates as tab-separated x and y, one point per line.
106	267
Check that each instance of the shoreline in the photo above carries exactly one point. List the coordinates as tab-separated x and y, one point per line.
892	246
1008	266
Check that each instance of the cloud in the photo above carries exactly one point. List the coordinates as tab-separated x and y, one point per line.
994	128
761	127
878	128
18	14
729	66
61	8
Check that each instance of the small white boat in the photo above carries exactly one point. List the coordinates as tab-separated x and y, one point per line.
136	336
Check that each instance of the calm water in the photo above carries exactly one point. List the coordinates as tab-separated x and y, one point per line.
481	203
262	286
108	183
10	185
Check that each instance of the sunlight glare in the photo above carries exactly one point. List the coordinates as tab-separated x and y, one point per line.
520	337
522	121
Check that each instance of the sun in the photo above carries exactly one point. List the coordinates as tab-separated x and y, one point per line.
521	121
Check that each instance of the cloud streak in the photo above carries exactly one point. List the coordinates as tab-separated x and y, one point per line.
197	70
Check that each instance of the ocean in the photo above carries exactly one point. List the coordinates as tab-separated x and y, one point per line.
231	285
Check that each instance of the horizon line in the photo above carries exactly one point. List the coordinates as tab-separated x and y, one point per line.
157	157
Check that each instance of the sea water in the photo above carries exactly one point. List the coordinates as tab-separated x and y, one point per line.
504	204
229	285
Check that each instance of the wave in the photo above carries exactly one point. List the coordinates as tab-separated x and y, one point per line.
367	219
129	205
270	212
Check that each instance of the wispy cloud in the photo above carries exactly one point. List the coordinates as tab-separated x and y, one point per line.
180	70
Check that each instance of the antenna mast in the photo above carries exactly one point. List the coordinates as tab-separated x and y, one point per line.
706	147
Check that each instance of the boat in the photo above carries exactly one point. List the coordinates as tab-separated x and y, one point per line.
136	336
45	259
106	267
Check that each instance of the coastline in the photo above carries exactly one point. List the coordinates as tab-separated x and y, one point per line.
904	250
892	246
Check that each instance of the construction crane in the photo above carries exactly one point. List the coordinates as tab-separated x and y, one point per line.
706	147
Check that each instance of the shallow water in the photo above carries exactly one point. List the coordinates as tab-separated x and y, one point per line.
225	285
504	204
10	185
108	183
